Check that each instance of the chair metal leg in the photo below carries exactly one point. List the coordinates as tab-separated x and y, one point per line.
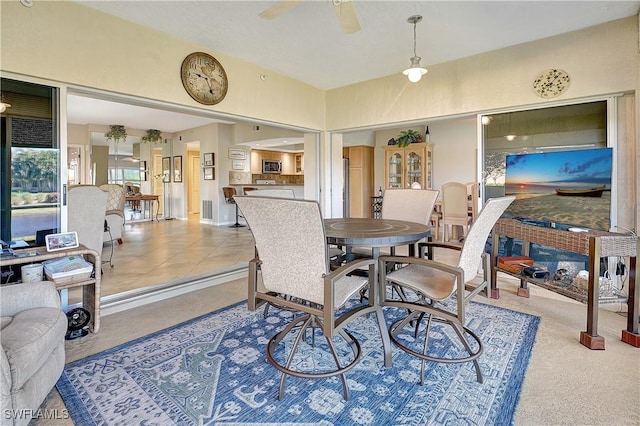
311	321
460	330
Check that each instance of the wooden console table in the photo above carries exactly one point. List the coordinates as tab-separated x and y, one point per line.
594	244
150	199
90	286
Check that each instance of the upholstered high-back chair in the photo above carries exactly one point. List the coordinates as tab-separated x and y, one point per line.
115	211
86	206
296	275
455	208
436	283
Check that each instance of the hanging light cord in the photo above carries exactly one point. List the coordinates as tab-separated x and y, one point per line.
414	39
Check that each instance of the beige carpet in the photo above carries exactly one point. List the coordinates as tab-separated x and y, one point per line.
566	383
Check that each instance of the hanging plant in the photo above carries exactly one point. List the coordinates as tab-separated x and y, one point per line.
116	133
407	137
152	136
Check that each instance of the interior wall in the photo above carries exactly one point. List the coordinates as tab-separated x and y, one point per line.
43	42
498	79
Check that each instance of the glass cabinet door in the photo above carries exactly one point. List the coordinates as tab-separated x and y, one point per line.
395	170
414	169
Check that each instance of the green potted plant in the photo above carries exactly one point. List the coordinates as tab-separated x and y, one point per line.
407	137
152	136
116	133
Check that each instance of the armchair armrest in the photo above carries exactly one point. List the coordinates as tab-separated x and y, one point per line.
345	269
427	247
20	297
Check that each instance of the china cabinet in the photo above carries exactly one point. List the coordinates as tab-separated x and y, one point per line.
404	166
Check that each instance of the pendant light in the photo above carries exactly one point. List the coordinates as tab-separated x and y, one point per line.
510	136
415	70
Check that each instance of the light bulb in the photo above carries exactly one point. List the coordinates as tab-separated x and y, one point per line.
3	107
414	75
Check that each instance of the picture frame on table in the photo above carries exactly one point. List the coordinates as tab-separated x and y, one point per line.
237	165
209	173
177	168
237	154
166	169
63	241
209	159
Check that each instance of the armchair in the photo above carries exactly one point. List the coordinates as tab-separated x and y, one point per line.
442	292
32	354
115	212
295	275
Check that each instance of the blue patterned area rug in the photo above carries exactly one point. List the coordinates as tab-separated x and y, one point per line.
213	371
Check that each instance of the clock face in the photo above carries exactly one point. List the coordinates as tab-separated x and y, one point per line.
204	78
551	83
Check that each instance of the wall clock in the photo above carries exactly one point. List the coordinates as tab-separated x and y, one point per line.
551	83
204	78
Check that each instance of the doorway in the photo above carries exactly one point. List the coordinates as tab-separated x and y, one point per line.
193	184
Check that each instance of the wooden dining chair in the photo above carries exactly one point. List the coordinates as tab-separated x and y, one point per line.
295	275
454	208
473	194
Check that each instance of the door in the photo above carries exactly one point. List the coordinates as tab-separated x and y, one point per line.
193	182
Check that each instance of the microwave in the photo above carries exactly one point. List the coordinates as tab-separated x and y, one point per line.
271	166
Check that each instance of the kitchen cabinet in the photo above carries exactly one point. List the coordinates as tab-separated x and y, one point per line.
288	163
257	155
299	164
404	166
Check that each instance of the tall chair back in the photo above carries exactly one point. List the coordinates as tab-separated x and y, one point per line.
455	207
295	275
288	265
411	205
86	206
436	282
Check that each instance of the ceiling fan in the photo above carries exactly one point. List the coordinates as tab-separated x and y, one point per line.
344	9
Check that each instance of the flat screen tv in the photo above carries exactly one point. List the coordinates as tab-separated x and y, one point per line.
561	187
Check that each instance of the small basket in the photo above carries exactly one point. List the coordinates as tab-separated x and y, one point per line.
68	270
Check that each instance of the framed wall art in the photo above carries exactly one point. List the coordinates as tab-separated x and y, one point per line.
166	169
237	153
209	173
177	168
237	165
209	159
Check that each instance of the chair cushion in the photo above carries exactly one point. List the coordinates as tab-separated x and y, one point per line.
436	284
29	339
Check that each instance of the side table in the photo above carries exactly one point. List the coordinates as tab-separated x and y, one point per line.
90	286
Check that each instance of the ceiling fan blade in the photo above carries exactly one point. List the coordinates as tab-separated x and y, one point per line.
347	16
279	8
